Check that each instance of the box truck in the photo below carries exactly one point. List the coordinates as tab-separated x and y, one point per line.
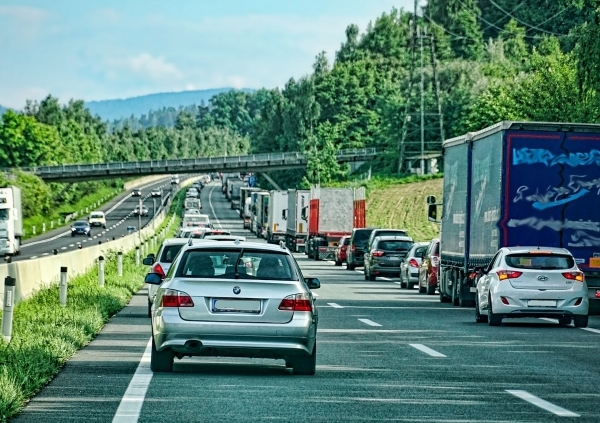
11	221
297	219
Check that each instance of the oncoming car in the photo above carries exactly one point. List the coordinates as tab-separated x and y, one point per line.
532	282
234	299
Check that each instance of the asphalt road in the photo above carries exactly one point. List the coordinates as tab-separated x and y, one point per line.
384	354
118	217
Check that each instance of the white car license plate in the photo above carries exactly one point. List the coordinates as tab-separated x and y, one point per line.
223	305
541	303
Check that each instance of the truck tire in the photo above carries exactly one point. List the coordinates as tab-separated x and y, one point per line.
350	266
493	319
580	321
463	300
455	301
443	298
430	290
372	277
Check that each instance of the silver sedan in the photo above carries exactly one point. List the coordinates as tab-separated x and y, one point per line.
234	299
532	282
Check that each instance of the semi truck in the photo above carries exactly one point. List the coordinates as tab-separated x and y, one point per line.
296	217
333	213
276	227
262	213
246	204
235	196
518	184
11	221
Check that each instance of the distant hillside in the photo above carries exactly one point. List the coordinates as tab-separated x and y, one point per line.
137	106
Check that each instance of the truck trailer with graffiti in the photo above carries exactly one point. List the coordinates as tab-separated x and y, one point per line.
518	184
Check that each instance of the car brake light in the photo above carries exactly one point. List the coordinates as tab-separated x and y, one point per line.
413	263
378	253
508	274
298	302
157	268
435	261
173	298
574	276
597	295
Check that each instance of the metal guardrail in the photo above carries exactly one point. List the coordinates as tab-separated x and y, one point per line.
229	163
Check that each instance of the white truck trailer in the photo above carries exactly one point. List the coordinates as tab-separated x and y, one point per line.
297	219
11	221
276	228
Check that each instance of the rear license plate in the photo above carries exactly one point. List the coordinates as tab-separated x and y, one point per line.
223	305
541	303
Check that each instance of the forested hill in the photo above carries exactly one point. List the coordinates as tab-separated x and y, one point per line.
137	106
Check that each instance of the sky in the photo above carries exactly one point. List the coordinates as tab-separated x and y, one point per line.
106	49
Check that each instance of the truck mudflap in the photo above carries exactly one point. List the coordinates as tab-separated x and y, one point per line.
326	253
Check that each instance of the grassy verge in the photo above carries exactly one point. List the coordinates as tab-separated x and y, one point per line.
403	205
45	335
91	201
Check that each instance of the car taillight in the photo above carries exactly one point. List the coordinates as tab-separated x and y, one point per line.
435	261
157	268
574	276
508	274
378	253
174	298
298	302
413	263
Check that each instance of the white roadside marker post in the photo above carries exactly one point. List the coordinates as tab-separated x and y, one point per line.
7	312
63	286
101	271
120	263
137	256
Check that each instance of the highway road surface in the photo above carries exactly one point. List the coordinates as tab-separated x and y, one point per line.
384	354
118	217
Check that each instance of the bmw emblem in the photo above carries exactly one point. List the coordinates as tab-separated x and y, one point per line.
236	290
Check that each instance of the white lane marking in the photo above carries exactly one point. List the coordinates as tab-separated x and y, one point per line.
397	283
548	319
335	305
369	322
71	245
133	399
417	331
591	330
384	278
548	406
427	350
63	248
315	294
212	208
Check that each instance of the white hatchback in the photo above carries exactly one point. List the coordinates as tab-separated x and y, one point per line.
532	282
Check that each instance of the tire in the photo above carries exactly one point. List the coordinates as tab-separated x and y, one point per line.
350	266
564	320
463	302
372	277
366	276
338	263
410	285
479	318
430	290
306	366
149	309
443	298
455	300
493	319
402	283
161	361
581	321
422	290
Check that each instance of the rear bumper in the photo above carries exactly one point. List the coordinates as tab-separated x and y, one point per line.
231	339
386	270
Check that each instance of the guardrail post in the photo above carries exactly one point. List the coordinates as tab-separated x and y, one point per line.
63	286
52	224
7	312
101	271
137	256
33	229
43	227
146	249
120	263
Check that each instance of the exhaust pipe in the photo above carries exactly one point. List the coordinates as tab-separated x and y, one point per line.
193	345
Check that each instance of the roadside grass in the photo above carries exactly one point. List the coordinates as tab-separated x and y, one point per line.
106	193
46	335
403	205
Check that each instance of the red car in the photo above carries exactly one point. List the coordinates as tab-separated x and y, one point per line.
340	251
428	271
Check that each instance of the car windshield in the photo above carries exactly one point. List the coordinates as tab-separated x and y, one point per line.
96	216
80	224
221	264
394	245
169	252
542	262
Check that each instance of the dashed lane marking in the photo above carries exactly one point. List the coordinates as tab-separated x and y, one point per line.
335	305
369	322
591	330
427	350
212	208
543	404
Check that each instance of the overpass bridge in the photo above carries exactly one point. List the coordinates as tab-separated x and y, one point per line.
249	163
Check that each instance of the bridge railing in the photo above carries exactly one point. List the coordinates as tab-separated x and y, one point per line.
290	157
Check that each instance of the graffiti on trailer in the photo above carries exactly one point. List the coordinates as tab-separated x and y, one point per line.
583	239
546	157
556	196
579	238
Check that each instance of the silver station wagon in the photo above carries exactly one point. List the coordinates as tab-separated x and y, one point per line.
234	299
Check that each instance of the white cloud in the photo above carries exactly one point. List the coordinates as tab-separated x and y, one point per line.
15	98
236	81
24	13
155	68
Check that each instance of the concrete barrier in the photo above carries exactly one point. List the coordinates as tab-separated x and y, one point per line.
32	275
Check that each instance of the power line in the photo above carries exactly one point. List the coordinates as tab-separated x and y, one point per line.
550	18
501	19
525	23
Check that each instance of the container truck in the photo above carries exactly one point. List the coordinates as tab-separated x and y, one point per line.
246	204
236	185
297	219
333	213
276	226
262	214
518	184
11	221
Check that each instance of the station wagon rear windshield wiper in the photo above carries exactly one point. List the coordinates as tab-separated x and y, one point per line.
237	262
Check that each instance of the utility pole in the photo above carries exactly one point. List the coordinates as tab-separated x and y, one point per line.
422	100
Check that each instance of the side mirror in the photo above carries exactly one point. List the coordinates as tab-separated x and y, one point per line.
153	279
431	199
432	213
148	261
313	283
284	214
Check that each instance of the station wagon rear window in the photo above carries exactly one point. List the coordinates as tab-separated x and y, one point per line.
544	262
236	264
394	245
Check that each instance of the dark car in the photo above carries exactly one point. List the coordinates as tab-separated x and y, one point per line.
356	249
386	255
383	232
340	250
136	192
81	227
428	271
